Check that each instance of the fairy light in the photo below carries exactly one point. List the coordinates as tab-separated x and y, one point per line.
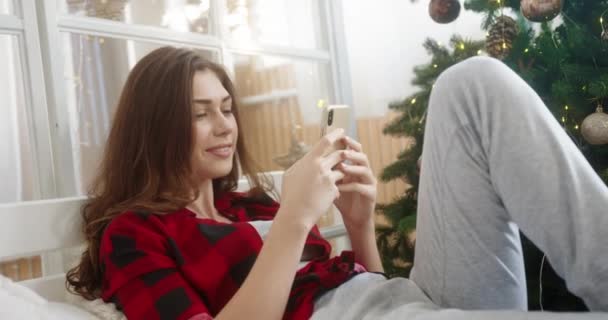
413	101
527	50
435	66
564	119
479	52
462	46
576	127
320	103
566	108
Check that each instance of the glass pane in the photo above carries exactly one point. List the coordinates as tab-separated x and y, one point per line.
178	15
95	71
6	7
279	109
279	101
274	22
17	163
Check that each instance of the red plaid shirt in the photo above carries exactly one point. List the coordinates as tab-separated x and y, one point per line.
176	266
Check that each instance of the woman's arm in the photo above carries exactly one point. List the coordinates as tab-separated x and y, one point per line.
265	292
309	188
363	242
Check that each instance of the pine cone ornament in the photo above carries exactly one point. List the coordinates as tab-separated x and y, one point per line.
501	36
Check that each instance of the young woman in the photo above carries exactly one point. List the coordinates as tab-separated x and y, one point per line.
168	238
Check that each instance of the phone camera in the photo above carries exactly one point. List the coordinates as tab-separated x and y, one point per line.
330	117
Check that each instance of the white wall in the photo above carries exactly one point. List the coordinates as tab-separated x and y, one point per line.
384	42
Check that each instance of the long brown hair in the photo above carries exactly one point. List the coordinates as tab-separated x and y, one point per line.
146	161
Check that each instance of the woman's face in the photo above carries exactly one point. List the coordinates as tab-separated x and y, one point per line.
214	125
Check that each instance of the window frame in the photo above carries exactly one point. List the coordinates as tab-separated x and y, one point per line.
25	29
53	24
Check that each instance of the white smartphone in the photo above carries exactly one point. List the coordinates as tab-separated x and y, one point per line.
333	117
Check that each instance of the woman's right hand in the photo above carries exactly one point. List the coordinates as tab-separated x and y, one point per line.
309	186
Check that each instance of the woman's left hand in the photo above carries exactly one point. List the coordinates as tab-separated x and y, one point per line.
358	189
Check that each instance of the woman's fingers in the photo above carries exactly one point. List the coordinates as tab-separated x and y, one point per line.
365	190
332	159
327	142
364	174
352	143
356	157
336	175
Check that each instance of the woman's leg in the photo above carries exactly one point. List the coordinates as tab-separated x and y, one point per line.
495	159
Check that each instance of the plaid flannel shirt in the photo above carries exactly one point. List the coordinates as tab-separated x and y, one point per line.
176	266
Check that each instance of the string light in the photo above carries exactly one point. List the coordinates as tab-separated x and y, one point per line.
566	107
462	46
414	101
576	127
527	50
479	52
564	119
320	103
435	66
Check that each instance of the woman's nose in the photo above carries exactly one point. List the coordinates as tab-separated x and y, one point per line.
222	125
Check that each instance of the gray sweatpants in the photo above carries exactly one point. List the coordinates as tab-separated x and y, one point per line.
495	160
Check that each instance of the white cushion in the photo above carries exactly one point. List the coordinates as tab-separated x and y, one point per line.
18	302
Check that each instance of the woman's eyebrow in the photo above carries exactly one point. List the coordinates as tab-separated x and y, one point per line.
209	101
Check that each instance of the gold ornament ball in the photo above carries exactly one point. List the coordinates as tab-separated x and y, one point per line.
444	11
541	10
595	128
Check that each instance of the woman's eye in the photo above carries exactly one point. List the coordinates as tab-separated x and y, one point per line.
201	115
227	111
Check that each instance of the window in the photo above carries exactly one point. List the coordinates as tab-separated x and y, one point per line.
19	179
63	64
274	22
95	69
7	7
184	16
26	165
279	100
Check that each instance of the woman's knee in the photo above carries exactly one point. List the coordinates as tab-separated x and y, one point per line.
482	70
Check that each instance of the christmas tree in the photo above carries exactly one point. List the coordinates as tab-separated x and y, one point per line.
565	60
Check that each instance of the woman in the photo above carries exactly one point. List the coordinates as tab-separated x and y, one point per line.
169	239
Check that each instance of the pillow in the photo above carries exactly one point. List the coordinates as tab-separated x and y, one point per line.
18	302
64	311
105	311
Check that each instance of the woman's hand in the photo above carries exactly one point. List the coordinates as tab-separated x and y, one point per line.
309	186
358	188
